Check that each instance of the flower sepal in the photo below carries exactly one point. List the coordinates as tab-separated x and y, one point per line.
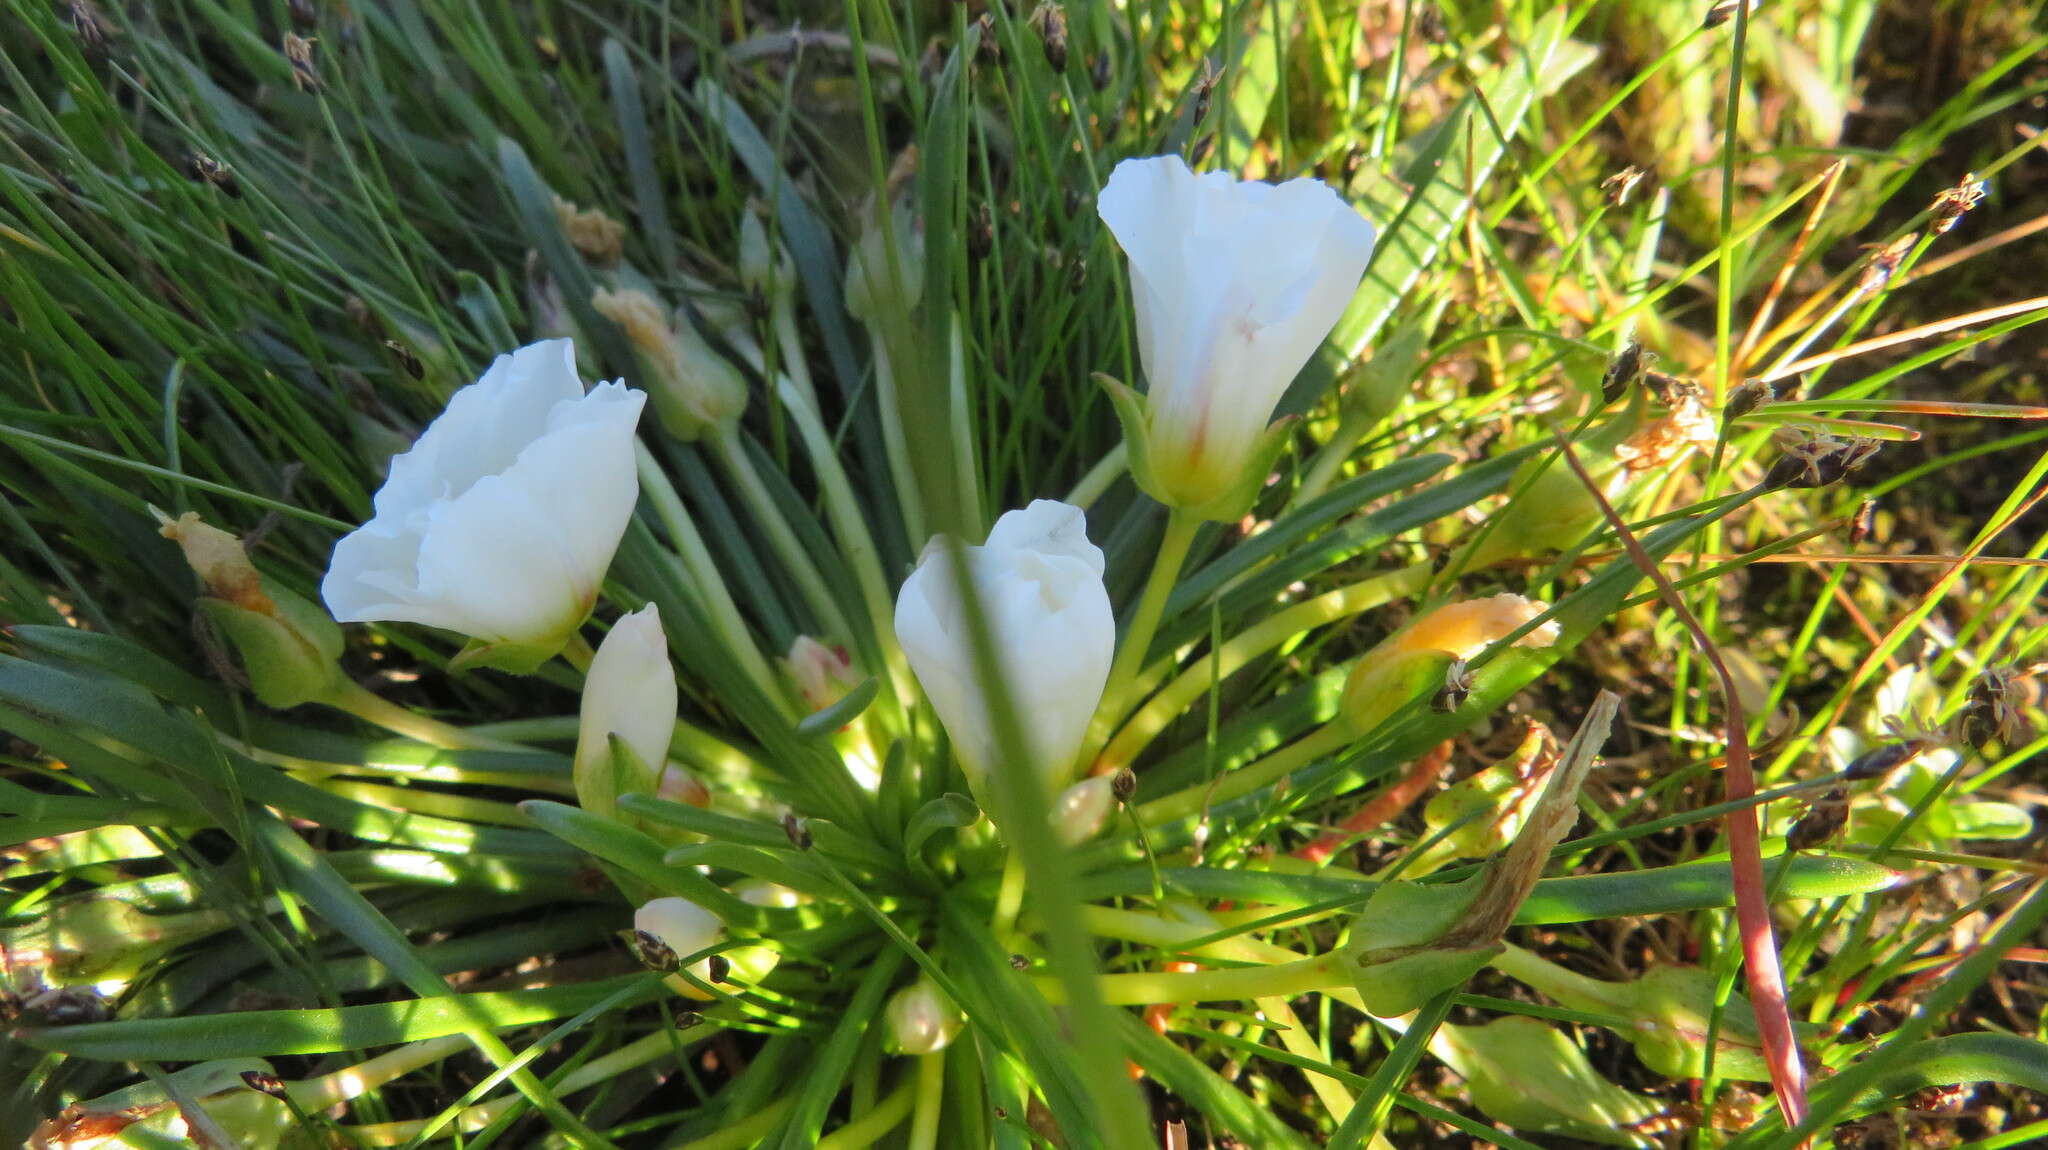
291	653
1222	498
509	657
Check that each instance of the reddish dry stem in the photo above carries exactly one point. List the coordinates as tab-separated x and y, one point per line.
1382	807
1745	848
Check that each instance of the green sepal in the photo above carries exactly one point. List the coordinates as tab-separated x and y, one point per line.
1393	953
602	778
1134	413
291	655
512	658
1400	986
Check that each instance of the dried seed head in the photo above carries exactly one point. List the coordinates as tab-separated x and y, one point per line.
88	25
1624	371
263	1082
1817	459
1618	186
407	359
1688	427
1864	522
1124	784
299	50
1881	761
204	169
1204	89
985	42
1821	822
1200	152
1099	71
598	236
1051	21
718	968
1077	274
1724	10
1457	687
798	830
305	14
981	231
1953	203
1747	397
1996	707
1019	962
653	953
1431	25
1884	263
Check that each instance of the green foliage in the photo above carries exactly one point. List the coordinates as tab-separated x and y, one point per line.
247	251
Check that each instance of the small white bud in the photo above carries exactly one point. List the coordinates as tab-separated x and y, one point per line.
922	1020
1081	810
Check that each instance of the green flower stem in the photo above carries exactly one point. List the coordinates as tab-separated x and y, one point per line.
1325	740
358	700
577	654
849	526
790	346
1100	476
724	442
1181	526
894	442
863	1131
1169	934
931	1098
1331	456
355	1081
1565	986
750	1130
1148	720
703	577
966	484
1009	897
1238	984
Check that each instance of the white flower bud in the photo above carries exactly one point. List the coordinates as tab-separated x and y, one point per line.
922	1020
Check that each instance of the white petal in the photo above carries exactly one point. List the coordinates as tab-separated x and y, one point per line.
630	690
686	927
484	426
1047	526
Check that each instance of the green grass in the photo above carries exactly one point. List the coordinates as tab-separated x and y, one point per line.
234	291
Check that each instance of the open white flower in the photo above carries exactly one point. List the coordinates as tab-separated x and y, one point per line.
630	692
1039	583
1235	284
501	520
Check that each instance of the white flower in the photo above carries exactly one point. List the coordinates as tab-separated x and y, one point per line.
501	520
1235	284
1039	582
630	691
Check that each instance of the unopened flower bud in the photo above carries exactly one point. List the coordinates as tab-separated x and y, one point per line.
693	387
290	648
765	268
1524	1073
1124	783
921	1019
684	928
599	237
761	892
1624	371
1750	395
680	786
1098	71
629	696
885	269
823	673
1080	810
